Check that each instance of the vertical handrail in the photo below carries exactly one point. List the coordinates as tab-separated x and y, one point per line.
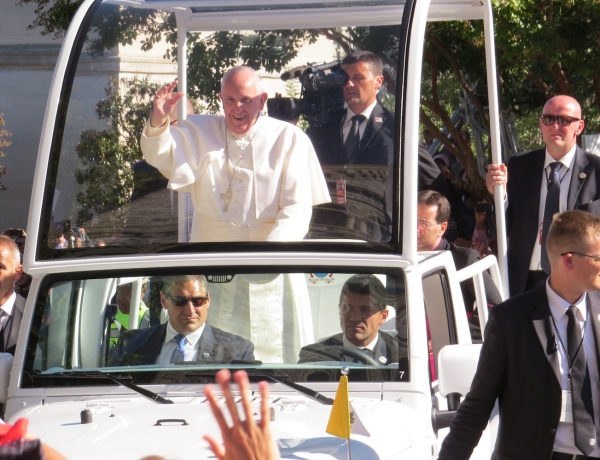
490	59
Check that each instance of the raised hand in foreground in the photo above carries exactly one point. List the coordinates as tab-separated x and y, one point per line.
245	439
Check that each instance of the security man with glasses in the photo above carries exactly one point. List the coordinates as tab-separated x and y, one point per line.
540	360
185	337
543	182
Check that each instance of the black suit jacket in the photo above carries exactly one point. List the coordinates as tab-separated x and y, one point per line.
367	173
463	257
12	333
523	190
376	146
385	351
519	366
143	346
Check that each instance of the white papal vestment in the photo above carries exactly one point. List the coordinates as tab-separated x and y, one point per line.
272	171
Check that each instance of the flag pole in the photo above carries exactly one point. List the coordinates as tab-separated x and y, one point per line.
345	371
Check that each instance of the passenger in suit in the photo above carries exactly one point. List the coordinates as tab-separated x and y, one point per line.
362	310
433	213
12	305
186	336
356	150
530	174
538	346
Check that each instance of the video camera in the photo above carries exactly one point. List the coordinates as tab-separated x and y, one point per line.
322	93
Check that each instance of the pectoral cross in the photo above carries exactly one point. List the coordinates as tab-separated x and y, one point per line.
226	196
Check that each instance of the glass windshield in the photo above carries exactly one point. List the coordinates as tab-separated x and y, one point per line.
303	325
289	162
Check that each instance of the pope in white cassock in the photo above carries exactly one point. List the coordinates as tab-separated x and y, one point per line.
251	177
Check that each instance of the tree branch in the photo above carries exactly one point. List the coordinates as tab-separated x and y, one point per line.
470	94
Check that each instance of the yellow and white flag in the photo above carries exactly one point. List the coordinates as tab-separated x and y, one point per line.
343	420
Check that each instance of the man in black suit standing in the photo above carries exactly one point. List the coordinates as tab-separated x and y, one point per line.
356	151
186	336
433	213
540	359
12	305
542	182
363	309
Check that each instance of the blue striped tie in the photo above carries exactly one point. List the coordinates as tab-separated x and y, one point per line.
178	354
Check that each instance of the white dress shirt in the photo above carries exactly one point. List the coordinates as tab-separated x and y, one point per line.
347	125
565	440
192	342
564	174
6	316
368	346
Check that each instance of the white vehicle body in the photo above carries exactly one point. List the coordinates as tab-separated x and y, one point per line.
398	412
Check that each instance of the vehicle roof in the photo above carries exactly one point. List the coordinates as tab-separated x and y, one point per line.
274	14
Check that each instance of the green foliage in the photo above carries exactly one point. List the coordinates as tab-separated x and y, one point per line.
546	48
107	155
53	17
454	74
122	26
272	50
209	57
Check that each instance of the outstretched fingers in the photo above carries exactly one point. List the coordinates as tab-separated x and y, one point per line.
163	103
223	378
241	378
209	391
265	410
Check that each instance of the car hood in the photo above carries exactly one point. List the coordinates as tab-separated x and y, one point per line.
131	428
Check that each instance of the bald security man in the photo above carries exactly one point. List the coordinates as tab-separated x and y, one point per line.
541	183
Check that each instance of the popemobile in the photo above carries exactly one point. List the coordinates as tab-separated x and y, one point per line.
349	292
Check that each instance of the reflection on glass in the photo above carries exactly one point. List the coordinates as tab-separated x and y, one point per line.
294	321
103	184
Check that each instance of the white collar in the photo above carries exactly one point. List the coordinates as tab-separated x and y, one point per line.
559	306
370	345
192	338
567	160
7	306
366	112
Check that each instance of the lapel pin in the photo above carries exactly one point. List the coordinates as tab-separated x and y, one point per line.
582	176
378	120
382	359
206	355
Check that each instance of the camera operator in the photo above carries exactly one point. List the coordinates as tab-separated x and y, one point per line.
362	134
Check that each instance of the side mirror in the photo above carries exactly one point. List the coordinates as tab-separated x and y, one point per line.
6	362
456	368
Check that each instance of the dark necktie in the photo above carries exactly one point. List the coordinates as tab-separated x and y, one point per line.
2	326
551	208
353	139
178	354
581	390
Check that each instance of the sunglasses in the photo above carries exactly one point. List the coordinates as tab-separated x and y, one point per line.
179	301
594	258
549	120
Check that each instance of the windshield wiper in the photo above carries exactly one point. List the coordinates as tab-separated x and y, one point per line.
277	378
299	388
95	374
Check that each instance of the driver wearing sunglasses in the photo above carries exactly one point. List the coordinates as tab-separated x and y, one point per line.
561	167
186	337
